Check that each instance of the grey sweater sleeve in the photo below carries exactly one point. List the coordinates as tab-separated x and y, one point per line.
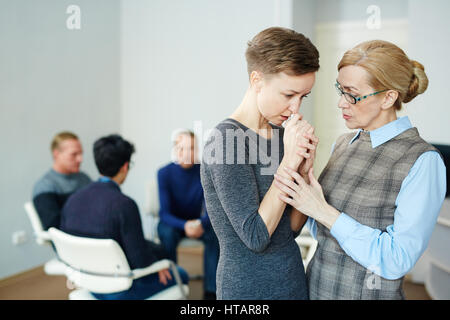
237	191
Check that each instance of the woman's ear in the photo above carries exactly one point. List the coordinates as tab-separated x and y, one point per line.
256	80
389	99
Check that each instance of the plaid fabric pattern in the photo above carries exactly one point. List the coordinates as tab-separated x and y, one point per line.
364	183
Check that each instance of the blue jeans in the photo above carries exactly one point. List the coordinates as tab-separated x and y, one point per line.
144	287
170	237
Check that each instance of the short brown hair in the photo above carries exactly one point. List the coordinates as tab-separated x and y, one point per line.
60	137
389	68
277	49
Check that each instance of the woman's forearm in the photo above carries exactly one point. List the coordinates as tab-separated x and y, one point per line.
271	208
298	220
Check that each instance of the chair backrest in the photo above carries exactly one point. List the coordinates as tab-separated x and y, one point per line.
42	236
152	198
98	265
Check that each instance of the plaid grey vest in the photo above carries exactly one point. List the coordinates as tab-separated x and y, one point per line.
364	183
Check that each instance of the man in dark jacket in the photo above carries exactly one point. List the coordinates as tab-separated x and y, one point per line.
101	210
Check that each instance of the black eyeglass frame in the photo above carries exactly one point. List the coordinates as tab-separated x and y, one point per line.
351	98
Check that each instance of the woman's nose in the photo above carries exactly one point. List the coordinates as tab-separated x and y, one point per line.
295	105
342	103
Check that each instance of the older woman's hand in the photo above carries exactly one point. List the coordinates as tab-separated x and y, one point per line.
306	198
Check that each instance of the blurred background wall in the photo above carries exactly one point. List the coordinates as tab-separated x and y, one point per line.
144	68
51	79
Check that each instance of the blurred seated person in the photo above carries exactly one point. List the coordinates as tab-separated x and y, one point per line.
64	178
102	211
181	207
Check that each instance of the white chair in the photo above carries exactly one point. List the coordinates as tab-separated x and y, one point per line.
53	267
100	266
152	219
152	210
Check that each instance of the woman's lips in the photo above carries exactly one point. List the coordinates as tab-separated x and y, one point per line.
284	118
346	117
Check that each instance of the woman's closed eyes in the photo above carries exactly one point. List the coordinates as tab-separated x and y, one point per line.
289	96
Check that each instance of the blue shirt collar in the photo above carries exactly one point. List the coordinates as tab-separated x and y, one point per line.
107	179
386	132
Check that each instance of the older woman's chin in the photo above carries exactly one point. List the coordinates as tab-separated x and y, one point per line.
350	124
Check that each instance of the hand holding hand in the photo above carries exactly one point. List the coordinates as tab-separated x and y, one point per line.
306	198
311	145
297	136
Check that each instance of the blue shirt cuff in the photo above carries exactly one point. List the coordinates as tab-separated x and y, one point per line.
343	227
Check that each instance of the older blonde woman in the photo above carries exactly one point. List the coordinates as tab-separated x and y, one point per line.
377	200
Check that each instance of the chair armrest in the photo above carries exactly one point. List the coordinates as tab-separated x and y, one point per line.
44	235
155	267
160	265
43	238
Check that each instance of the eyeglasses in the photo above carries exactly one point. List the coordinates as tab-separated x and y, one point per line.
351	98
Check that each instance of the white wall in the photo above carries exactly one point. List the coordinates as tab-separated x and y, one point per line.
304	17
355	10
51	79
429	44
182	62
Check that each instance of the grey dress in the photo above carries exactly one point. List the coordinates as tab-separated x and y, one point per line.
235	177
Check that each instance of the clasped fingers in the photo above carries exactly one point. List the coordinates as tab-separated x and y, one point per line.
288	186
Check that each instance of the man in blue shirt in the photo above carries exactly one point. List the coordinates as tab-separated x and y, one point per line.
102	211
181	207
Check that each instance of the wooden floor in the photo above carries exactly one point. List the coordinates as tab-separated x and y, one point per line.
36	285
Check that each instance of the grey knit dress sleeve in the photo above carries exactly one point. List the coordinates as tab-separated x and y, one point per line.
252	265
237	191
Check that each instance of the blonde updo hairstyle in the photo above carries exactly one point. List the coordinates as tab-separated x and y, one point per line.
389	68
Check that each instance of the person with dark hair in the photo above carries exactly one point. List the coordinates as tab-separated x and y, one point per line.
111	153
182	212
102	211
64	178
259	257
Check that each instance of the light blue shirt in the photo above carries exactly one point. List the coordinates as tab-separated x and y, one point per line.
106	179
391	254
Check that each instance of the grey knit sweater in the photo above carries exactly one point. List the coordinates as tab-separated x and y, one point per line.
235	177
